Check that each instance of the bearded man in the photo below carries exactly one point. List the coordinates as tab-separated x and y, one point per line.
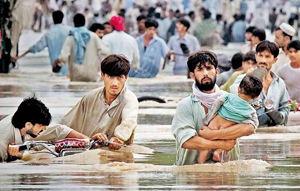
188	123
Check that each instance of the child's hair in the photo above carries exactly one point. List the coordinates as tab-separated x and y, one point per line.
251	86
31	110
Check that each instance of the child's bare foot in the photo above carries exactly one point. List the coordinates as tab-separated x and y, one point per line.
216	156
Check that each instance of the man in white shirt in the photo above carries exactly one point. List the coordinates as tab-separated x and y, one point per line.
283	36
122	43
290	72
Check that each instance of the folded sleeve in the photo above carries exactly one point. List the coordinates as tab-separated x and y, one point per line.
129	118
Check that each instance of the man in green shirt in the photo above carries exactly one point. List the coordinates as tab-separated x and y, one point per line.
188	123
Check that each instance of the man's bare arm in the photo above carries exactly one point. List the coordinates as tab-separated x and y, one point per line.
232	132
199	143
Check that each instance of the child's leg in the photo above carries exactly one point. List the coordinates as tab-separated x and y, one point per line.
217	155
202	156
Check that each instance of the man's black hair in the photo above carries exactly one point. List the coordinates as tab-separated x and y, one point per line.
79	20
251	86
250	29
294	44
206	14
141	17
58	17
200	58
151	23
242	17
268	46
191	13
106	23
31	110
184	22
284	34
219	17
96	26
237	60
249	56
115	65
260	33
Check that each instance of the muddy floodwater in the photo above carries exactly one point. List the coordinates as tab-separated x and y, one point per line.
270	159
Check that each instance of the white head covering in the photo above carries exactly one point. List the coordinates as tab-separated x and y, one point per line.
288	29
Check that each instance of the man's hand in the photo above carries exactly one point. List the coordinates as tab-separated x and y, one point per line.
56	66
276	118
227	145
116	140
101	137
13	151
206	133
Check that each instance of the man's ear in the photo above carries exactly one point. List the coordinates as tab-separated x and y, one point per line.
102	75
217	71
192	75
275	60
126	77
28	125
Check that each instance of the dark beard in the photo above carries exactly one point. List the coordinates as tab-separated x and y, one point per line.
207	86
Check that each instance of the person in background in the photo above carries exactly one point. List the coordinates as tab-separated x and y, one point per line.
239	29
53	39
98	29
175	44
272	106
249	62
108	28
152	49
248	36
258	35
283	36
83	50
120	42
236	65
290	72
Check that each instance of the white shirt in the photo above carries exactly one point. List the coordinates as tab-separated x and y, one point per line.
122	43
291	79
282	60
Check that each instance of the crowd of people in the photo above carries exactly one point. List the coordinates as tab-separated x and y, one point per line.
223	107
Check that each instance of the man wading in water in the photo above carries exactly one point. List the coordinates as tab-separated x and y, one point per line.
191	111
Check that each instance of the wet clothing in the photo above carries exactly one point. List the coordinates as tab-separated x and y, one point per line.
54	40
188	119
93	115
180	67
150	57
88	71
233	108
81	37
277	93
9	134
291	78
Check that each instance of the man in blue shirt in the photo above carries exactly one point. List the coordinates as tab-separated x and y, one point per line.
152	49
175	44
53	39
272	107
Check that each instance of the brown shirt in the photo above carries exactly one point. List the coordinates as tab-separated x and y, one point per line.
92	115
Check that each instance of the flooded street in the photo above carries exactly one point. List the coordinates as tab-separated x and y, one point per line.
270	159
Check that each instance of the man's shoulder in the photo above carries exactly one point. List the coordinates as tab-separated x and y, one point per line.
93	93
129	95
